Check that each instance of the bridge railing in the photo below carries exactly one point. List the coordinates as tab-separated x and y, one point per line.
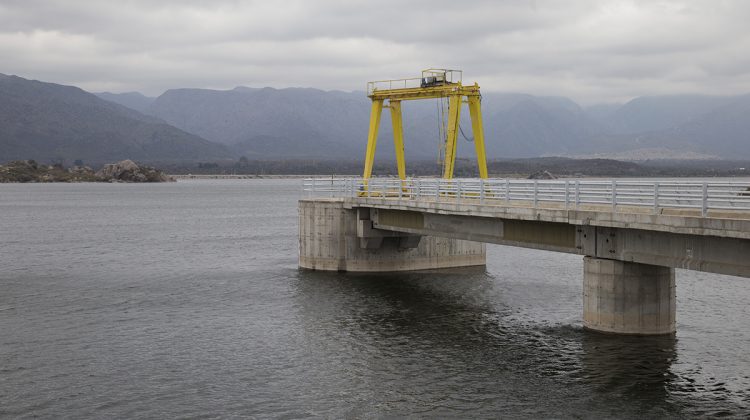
568	194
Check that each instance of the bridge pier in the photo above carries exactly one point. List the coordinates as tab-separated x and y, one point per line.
628	298
335	238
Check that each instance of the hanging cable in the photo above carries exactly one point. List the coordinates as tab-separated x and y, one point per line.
464	135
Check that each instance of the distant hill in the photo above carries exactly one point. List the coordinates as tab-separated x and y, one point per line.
530	126
309	122
270	122
50	122
132	100
653	113
724	131
674	127
294	123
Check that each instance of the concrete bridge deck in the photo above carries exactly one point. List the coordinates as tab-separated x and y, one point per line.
631	233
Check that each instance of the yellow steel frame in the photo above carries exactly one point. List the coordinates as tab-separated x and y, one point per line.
455	92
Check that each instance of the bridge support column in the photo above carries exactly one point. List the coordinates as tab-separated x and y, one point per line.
335	238
628	298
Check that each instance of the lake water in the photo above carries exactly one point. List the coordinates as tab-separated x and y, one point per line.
185	300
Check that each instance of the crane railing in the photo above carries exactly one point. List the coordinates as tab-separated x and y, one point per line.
655	196
393	84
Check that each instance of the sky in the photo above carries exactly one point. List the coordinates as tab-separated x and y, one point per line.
590	51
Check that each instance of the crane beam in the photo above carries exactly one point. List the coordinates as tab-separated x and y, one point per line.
409	94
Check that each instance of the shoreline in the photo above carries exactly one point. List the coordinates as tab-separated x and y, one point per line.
231	176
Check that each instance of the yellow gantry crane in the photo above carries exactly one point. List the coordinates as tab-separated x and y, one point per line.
434	84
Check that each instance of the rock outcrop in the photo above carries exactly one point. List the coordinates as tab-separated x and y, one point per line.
129	171
542	175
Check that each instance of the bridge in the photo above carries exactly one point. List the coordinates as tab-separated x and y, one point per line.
631	234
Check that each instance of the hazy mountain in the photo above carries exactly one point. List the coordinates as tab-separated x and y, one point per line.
133	100
602	113
652	113
526	126
310	122
302	121
724	131
46	121
691	127
297	123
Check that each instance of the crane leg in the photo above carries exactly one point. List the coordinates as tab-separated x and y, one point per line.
475	109
454	117
372	136
398	137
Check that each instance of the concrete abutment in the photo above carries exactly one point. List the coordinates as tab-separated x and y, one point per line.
335	238
628	298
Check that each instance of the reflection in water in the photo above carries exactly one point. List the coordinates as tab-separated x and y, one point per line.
446	342
634	367
421	334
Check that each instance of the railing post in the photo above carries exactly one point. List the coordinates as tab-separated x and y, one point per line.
400	189
437	191
567	185
614	196
481	190
312	187
332	190
507	190
536	189
656	197
704	207
458	187
418	188
578	193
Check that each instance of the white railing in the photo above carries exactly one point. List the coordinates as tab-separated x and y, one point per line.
568	194
393	84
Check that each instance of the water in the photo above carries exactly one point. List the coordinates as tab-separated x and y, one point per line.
184	300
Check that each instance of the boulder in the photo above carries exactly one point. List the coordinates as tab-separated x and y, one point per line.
129	171
542	175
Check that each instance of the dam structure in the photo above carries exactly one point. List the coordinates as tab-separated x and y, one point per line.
631	234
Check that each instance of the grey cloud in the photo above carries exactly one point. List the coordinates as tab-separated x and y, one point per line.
588	50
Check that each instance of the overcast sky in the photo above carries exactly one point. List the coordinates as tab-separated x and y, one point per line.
591	51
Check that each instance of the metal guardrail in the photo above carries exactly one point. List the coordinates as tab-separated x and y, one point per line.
568	194
393	84
441	75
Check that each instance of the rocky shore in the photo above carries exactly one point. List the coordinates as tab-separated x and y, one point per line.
123	171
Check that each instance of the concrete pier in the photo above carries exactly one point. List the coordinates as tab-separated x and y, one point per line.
628	298
335	238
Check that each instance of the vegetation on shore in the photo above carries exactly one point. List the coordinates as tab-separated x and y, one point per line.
562	167
123	171
128	171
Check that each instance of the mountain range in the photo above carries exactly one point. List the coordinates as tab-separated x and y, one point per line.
55	123
294	123
51	122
